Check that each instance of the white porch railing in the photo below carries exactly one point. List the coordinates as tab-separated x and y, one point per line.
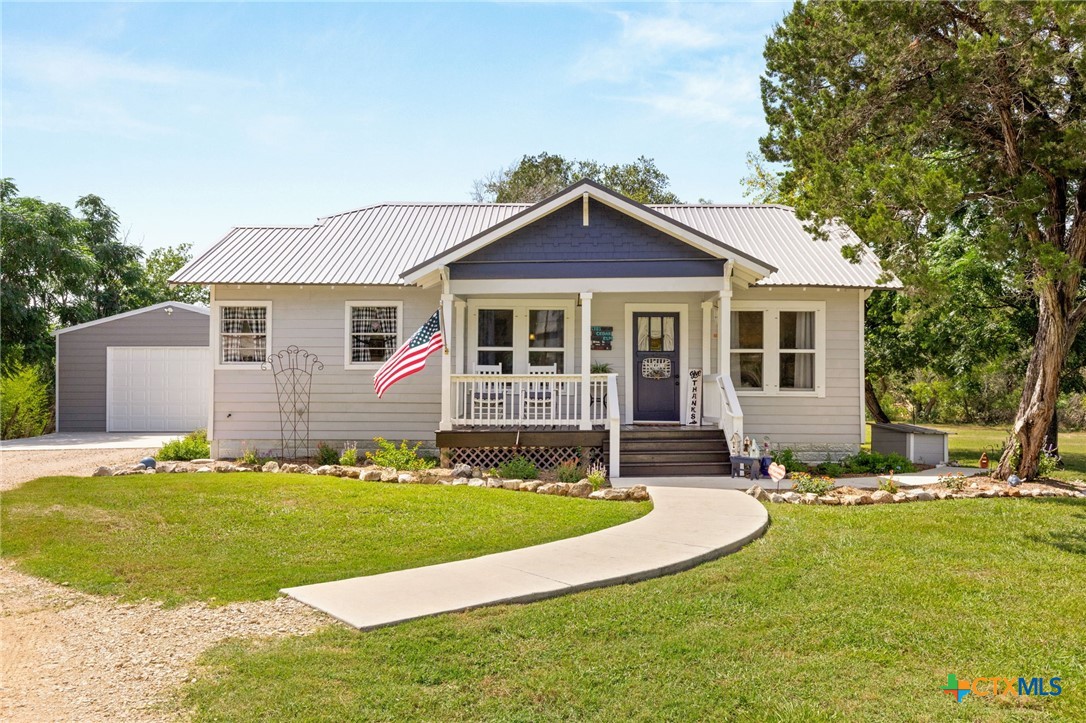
614	426
531	400
723	407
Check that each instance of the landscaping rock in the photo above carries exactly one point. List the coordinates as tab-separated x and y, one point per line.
640	493
758	493
810	498
389	475
138	467
103	472
494	482
829	500
792	497
437	473
923	496
270	466
530	485
881	497
512	484
324	469
406	478
201	462
865	500
459	481
581	489
166	467
617	495
352	472
553	488
461	471
203	469
225	467
476	482
150	470
776	498
902	497
477	472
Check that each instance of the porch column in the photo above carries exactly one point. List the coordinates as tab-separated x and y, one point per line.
586	359
446	363
460	350
725	321
706	340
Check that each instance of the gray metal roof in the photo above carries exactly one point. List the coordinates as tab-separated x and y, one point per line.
375	244
906	428
133	312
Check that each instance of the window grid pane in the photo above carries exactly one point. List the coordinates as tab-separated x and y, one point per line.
373	333
243	334
747	331
546	328
746	370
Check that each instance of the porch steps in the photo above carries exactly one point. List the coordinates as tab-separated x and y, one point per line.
678	452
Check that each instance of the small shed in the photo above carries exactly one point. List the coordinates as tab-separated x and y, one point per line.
922	445
146	370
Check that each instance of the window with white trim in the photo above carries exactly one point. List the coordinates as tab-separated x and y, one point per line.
373	333
778	348
243	333
521	335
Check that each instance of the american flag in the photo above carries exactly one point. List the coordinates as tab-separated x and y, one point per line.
411	357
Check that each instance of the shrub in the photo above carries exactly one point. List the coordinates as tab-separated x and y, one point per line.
887	484
830	469
192	446
864	462
597	475
787	458
803	483
569	471
24	403
955	481
349	458
399	458
326	454
1048	462
250	457
519	467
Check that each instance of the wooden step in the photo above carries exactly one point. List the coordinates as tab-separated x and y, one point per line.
706	445
677	433
648	457
676	469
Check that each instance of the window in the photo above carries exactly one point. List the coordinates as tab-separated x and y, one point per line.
656	333
797	350
496	339
547	338
519	334
748	358
373	333
776	348
243	333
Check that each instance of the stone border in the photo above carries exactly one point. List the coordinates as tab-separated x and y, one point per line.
436	476
882	497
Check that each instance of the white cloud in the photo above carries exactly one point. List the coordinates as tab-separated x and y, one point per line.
697	62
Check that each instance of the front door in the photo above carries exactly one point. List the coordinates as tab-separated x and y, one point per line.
656	367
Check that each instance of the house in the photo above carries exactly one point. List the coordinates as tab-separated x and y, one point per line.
144	370
715	322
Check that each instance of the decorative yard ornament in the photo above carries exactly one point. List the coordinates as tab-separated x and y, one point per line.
1014	480
148	462
984	460
735	443
411	357
292	369
777	472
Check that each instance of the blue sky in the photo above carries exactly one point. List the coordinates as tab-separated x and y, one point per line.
192	118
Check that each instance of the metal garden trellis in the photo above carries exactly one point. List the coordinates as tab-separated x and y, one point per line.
293	370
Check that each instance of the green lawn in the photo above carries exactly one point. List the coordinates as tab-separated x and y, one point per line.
230	537
968	441
854	613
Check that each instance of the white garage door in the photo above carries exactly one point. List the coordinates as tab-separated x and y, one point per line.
157	388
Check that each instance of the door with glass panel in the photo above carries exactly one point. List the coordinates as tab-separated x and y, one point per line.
656	367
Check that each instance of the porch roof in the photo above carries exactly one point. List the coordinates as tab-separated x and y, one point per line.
375	244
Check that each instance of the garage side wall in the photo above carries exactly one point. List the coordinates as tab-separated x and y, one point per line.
81	359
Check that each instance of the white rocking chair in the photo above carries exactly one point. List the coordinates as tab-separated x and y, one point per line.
537	398
488	397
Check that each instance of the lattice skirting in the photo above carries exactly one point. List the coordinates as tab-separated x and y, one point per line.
542	457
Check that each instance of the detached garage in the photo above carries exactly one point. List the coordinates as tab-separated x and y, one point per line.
147	370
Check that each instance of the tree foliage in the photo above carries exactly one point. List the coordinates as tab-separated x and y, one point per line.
534	178
900	118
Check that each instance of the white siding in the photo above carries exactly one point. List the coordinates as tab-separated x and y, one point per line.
815	425
343	406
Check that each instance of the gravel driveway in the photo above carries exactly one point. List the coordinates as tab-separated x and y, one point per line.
70	656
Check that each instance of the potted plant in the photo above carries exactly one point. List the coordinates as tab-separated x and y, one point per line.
599	395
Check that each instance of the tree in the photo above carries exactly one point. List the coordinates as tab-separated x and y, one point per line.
899	117
534	178
158	267
44	267
118	261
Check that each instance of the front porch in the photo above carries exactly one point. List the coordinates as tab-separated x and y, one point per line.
508	381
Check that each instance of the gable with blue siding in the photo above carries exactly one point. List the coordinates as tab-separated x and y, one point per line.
613	245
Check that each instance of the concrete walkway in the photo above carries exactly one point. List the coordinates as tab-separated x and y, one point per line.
90	440
685	528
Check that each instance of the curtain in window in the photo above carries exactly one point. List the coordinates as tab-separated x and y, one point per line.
373	333
797	332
